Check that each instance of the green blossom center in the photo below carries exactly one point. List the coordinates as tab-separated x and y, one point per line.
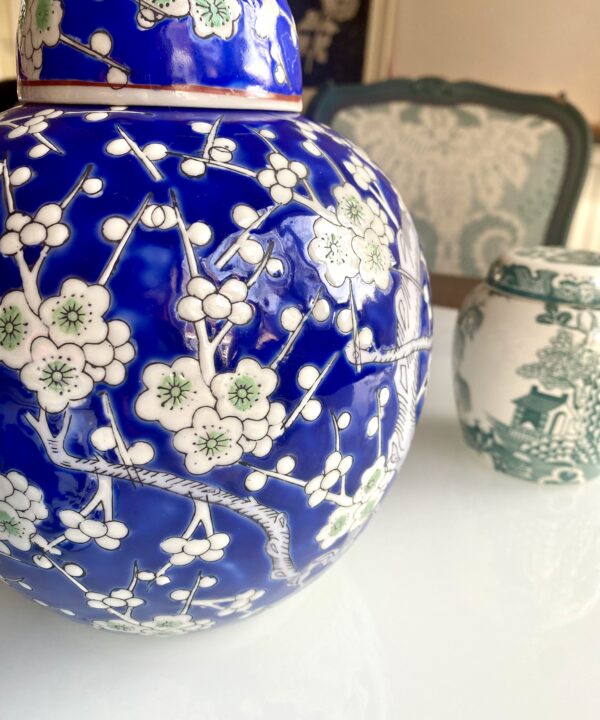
215	13
371	483
9	524
335	249
43	14
70	316
12	328
367	509
375	257
57	376
353	210
213	443
174	390
167	624
243	393
338	525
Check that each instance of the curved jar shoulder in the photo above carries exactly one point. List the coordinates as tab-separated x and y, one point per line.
214	343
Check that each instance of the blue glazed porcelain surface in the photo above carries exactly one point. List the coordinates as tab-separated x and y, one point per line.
216	53
214	326
214	343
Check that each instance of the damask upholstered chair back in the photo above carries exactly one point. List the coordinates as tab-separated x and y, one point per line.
480	168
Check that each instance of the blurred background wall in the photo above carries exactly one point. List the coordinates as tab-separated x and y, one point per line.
8	27
547	46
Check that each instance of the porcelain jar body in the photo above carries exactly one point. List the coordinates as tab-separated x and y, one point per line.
214	343
527	365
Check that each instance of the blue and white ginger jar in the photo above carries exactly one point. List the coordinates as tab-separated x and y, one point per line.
215	325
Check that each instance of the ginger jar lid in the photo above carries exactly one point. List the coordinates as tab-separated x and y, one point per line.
240	54
549	274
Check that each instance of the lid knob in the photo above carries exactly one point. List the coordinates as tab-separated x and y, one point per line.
187	53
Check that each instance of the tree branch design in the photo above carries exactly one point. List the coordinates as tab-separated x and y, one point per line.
274	524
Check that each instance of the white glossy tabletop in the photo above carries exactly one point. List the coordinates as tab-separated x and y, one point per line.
472	596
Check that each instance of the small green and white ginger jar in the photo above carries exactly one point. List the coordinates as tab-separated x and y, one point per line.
527	365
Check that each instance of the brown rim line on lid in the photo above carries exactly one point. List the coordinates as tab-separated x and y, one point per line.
79	91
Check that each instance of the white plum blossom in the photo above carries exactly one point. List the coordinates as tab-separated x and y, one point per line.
35	125
339	523
162	217
351	210
105	361
215	17
148	16
244	393
210	17
211	441
81	529
331	248
221	150
204	299
183	551
19	327
120	626
32	124
161	625
56	374
175	625
44	228
21	509
27	499
259	434
174	393
14	529
336	466
75	315
117	599
282	177
374	481
375	259
358	245
374	478
361	173
103	438
193	167
308	128
241	603
380	223
40	26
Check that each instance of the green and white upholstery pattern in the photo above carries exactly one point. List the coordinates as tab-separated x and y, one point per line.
477	178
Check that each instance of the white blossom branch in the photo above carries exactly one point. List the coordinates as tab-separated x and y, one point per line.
236	246
43	140
273	523
8	195
108	270
337	498
394	354
205	351
210	138
293	336
220	336
150	166
292	417
87	50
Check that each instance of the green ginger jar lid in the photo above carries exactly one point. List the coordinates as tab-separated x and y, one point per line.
549	274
